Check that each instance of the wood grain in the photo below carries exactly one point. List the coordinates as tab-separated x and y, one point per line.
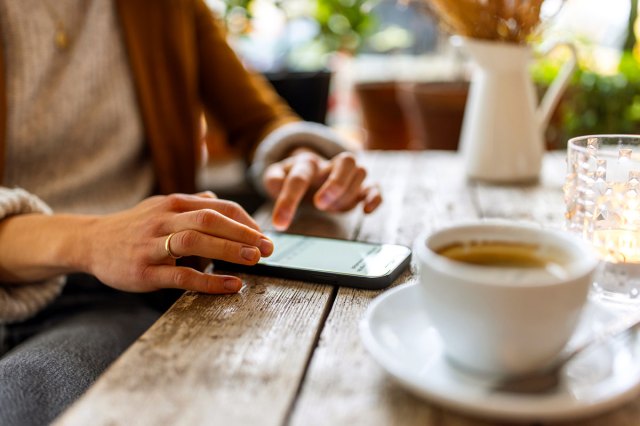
289	353
423	191
211	357
220	359
542	203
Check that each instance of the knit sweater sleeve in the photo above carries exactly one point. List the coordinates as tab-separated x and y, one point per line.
21	301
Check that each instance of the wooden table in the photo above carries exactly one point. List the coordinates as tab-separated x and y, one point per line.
288	353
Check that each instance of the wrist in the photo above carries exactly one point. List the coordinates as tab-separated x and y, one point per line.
76	247
35	246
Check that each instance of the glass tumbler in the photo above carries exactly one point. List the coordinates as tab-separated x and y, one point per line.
602	198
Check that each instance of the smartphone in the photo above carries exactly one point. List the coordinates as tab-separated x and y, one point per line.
329	261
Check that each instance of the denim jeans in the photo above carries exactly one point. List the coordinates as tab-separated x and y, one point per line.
48	361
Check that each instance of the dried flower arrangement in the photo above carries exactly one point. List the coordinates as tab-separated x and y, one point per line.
511	21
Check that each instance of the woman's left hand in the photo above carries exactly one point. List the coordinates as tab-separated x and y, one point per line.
337	184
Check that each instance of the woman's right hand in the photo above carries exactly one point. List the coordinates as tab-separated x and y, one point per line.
127	250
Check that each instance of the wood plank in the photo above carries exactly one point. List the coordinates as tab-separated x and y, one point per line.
344	386
220	359
252	358
210	357
422	192
541	203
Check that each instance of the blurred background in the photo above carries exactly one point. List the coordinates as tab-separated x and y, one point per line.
384	74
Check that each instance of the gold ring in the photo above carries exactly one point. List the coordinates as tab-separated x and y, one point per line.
167	246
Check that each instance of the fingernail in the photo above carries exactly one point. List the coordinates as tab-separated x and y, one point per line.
326	199
282	219
280	226
266	246
285	215
249	253
232	285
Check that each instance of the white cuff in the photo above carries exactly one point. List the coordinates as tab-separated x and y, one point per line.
281	141
21	301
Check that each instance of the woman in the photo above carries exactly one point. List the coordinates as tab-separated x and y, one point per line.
101	112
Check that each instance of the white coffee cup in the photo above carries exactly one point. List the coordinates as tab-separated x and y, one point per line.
504	320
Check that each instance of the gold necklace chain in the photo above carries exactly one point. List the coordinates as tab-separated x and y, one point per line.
61	38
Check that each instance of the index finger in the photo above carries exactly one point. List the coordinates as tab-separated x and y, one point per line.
184	202
236	212
295	185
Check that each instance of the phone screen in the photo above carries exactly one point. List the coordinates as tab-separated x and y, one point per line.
334	256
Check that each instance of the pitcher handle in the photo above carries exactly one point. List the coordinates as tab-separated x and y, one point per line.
552	96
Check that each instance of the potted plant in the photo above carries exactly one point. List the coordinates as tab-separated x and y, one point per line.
434	112
391	102
311	34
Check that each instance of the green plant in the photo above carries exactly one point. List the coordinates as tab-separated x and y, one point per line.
344	24
595	102
335	25
604	103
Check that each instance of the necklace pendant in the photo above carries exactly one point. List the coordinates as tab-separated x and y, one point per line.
62	41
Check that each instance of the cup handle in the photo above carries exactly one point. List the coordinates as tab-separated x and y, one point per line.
552	96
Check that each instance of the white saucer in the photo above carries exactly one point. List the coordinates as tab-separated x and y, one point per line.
399	335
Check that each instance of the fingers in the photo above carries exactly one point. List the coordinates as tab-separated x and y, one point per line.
372	198
207	194
274	179
218	229
294	187
343	189
214	223
351	196
165	276
337	184
185	203
234	211
341	183
194	243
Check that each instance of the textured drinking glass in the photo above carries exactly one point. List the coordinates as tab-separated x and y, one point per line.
602	196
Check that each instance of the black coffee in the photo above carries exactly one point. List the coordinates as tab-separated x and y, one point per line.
499	253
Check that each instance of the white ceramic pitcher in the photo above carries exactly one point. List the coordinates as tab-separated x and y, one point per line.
502	133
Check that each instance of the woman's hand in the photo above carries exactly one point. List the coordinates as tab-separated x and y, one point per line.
339	184
132	250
